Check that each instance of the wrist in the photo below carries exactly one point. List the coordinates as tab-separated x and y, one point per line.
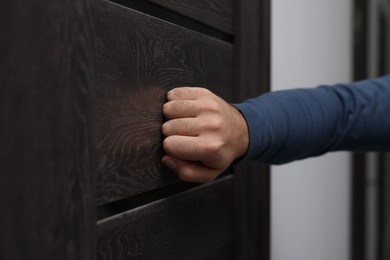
241	140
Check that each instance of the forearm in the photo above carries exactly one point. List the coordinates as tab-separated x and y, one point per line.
295	124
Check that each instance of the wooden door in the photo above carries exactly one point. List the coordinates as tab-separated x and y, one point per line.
83	83
46	170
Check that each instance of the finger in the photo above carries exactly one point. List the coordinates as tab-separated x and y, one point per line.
180	109
181	126
183	147
191	171
186	93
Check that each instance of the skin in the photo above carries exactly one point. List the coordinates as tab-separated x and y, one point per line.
203	134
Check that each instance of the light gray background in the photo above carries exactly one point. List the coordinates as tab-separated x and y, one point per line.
310	200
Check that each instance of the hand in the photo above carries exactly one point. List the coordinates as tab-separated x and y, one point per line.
203	134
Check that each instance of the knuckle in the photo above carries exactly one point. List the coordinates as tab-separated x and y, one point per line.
167	107
178	93
204	125
213	106
165	129
167	144
214	147
172	94
181	125
203	91
208	105
214	124
182	106
218	123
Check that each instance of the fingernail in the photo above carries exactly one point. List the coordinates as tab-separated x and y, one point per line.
170	163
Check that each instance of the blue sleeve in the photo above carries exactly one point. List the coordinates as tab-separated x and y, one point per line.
295	124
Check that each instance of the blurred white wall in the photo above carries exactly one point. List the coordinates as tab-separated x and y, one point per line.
311	45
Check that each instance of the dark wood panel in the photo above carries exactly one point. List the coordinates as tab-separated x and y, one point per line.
162	12
215	13
138	59
196	224
46	182
252	180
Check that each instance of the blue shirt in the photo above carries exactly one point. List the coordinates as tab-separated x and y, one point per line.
295	124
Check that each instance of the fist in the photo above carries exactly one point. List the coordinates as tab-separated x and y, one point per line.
203	134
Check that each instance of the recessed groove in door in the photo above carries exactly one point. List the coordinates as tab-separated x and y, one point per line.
196	224
218	14
119	206
126	204
175	18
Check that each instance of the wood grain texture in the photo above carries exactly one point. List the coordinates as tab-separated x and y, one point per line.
252	180
138	59
215	13
196	224
46	182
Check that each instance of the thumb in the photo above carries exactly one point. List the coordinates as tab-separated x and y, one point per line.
190	171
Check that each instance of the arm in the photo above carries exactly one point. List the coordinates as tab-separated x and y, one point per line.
281	126
296	124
